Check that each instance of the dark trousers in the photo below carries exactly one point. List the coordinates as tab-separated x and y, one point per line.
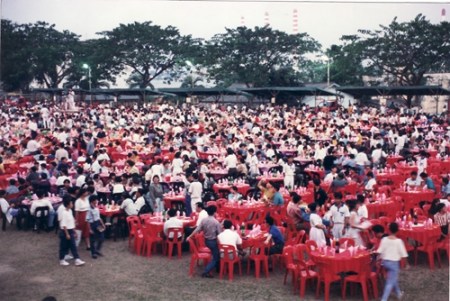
67	244
187	205
276	249
212	245
96	238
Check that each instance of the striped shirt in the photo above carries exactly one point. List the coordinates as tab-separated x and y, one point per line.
442	219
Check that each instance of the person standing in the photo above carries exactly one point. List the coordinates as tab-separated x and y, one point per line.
81	210
195	191
156	194
392	250
340	216
67	235
316	232
97	227
211	228
289	173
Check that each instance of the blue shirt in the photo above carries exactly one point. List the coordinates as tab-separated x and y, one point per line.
278	199
277	237
430	184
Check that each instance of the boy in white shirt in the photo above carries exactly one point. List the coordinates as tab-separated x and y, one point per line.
68	235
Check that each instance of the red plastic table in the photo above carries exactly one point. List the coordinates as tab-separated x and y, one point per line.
412	198
242	188
169	200
377	209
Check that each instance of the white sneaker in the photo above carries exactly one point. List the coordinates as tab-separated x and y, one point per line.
79	262
68	257
63	263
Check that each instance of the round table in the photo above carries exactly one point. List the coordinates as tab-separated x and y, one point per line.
242	188
244	212
271	178
391	160
107	211
406	169
158	223
412	198
342	262
170	200
55	200
307	195
419	232
380	208
263	167
395	177
315	172
219	173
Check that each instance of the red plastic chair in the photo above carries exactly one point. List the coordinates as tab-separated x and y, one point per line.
200	243
327	278
290	265
311	245
227	263
151	238
177	234
197	256
305	271
430	247
134	226
259	255
363	278
346	240
301	252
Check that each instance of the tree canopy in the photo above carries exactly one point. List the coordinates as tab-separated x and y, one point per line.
400	53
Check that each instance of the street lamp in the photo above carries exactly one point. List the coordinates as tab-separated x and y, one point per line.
327	59
86	66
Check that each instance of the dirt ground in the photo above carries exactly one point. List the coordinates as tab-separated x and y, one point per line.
29	270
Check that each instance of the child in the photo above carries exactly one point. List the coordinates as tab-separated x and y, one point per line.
67	235
97	227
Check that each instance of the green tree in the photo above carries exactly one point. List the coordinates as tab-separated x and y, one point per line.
149	51
346	66
256	57
51	53
406	51
16	69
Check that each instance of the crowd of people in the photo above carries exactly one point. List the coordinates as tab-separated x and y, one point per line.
127	155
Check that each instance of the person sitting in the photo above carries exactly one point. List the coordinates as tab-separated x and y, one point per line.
339	182
274	235
42	201
230	237
172	222
234	194
329	178
128	205
12	188
413	180
442	218
295	213
371	182
428	182
445	187
277	199
8	210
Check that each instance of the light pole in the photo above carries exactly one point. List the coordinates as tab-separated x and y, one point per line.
86	66
327	59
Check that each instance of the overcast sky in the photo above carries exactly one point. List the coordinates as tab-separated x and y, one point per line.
326	22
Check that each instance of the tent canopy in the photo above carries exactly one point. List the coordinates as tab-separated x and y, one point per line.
56	90
125	92
186	92
269	92
359	92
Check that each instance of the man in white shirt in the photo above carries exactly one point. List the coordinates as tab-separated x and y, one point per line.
195	191
340	216
229	237
377	154
81	179
331	176
362	212
61	152
129	207
289	173
68	235
253	163
32	147
371	182
172	222
413	180
43	202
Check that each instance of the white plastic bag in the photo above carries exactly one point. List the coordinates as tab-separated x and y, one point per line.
78	238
